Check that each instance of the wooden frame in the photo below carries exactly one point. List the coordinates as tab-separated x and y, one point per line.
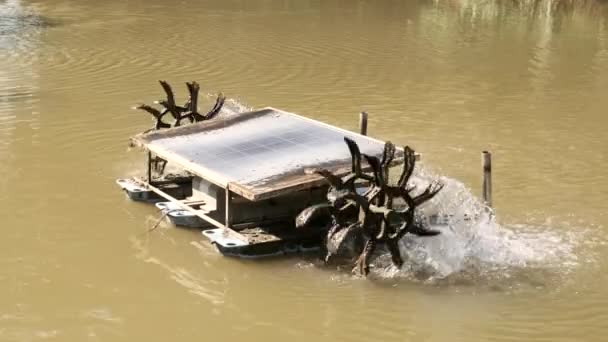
287	184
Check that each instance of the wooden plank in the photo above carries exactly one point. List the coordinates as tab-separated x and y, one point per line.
293	183
142	139
285	186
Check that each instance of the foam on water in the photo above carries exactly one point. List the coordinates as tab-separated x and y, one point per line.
231	106
473	245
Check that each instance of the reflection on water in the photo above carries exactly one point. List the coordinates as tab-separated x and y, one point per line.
525	79
19	34
19	25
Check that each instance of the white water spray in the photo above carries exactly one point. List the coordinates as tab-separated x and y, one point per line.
472	242
232	106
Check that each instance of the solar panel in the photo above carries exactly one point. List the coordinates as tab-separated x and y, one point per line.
259	148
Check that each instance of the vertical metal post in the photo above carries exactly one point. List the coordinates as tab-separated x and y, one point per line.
486	163
227	209
149	167
363	123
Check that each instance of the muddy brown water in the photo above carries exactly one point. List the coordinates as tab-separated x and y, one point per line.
526	80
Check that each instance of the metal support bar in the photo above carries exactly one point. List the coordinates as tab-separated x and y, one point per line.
486	163
149	167
228	210
198	213
363	123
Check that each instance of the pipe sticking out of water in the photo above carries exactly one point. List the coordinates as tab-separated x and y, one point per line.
486	163
363	123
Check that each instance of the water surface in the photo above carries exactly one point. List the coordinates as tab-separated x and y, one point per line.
524	79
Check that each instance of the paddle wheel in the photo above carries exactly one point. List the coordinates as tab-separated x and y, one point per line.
370	217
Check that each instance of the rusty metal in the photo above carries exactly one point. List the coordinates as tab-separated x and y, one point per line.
189	112
370	215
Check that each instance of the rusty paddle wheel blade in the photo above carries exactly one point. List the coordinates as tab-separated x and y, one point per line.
169	104
158	115
188	113
375	219
217	107
180	114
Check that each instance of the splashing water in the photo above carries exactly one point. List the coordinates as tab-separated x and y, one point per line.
232	106
472	244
